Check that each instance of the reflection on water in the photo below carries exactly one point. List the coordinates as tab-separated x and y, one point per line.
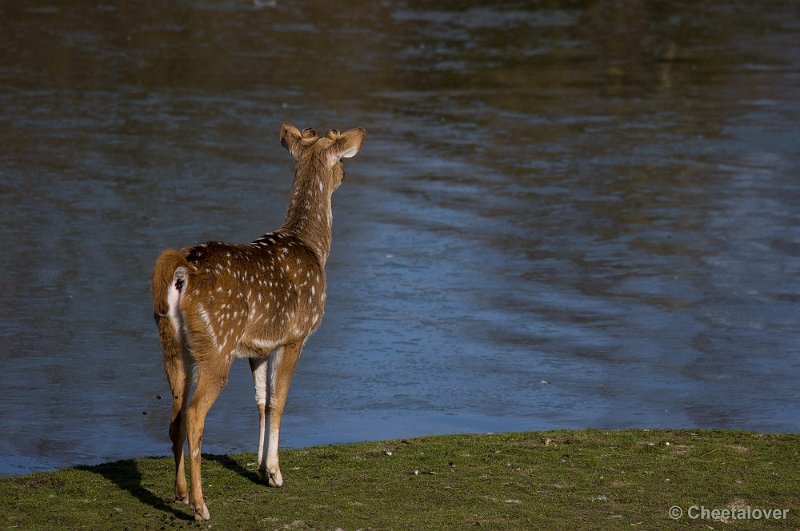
563	216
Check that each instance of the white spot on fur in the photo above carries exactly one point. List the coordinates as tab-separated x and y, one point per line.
204	316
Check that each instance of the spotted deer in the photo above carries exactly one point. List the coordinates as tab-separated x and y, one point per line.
216	301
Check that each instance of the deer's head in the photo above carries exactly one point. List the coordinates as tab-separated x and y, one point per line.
322	154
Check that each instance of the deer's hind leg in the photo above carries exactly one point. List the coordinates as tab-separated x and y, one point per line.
212	375
176	367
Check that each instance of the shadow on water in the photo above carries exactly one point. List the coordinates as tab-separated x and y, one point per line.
126	475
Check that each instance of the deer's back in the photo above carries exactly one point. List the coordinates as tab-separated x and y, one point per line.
248	299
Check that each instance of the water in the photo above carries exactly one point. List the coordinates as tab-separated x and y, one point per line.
565	215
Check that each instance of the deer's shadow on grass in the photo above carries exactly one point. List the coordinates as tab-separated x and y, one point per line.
127	476
234	466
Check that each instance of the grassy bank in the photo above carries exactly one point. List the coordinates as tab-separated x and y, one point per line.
558	479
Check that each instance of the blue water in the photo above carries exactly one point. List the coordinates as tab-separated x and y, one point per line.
562	217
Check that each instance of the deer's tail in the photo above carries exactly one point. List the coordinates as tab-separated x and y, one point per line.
170	280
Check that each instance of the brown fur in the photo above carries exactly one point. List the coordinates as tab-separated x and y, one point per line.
248	300
166	265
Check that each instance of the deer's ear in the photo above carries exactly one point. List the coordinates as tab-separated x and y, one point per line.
346	145
290	139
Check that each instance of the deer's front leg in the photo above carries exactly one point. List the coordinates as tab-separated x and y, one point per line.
284	361
259	367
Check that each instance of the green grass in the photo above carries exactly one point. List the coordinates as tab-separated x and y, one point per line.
559	479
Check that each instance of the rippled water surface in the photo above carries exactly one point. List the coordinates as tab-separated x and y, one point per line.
565	214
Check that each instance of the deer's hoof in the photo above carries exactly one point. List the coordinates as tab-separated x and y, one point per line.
201	513
182	499
275	479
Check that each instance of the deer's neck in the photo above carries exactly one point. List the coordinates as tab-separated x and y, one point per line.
309	216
